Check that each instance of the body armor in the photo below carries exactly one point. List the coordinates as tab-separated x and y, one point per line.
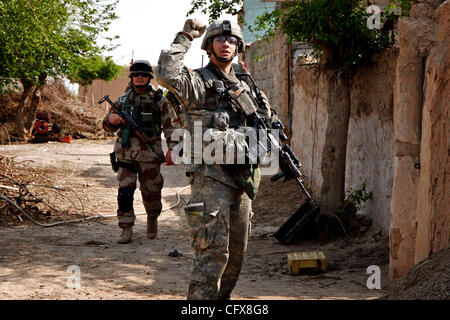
145	111
220	103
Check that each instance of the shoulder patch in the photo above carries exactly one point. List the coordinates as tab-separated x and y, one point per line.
122	98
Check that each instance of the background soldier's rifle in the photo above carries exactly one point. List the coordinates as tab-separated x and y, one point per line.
289	166
132	126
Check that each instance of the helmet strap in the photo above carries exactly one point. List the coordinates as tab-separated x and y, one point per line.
220	58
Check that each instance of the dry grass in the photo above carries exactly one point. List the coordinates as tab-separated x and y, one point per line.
23	189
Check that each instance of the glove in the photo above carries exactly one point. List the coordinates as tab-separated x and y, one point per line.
194	28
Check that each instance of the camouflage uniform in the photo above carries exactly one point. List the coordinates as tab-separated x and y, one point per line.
219	237
136	160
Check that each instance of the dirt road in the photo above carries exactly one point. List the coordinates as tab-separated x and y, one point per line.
42	263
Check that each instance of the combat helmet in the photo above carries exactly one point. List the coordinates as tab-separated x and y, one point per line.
224	27
141	66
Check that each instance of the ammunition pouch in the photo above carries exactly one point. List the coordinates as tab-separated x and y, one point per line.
125	137
113	160
247	176
117	164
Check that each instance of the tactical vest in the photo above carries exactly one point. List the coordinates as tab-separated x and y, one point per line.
236	115
247	176
145	110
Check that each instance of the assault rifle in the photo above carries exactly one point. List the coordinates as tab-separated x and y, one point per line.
288	162
132	126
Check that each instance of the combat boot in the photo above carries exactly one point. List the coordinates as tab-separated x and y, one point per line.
127	234
152	227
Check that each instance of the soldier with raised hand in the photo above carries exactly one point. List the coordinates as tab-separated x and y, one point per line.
136	161
219	211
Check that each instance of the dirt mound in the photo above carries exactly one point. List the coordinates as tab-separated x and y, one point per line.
372	248
428	280
73	115
77	119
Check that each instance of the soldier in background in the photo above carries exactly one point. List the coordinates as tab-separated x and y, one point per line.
153	113
218	213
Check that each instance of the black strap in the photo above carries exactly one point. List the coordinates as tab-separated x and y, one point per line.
117	164
128	166
158	95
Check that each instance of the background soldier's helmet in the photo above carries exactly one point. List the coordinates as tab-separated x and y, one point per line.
224	27
141	66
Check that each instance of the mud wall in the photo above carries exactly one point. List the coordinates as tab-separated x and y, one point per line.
269	66
370	140
315	107
433	218
420	220
264	69
398	136
114	88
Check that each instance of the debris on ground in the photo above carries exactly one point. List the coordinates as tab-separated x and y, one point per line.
75	118
428	280
29	193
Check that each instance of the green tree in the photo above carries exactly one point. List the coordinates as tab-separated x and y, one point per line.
52	38
95	67
335	27
215	8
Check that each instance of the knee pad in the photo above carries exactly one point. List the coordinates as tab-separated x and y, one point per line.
125	199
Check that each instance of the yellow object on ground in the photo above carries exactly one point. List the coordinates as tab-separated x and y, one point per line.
306	262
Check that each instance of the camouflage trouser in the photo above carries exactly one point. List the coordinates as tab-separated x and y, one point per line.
219	240
151	183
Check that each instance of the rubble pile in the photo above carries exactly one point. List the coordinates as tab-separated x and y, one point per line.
77	119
